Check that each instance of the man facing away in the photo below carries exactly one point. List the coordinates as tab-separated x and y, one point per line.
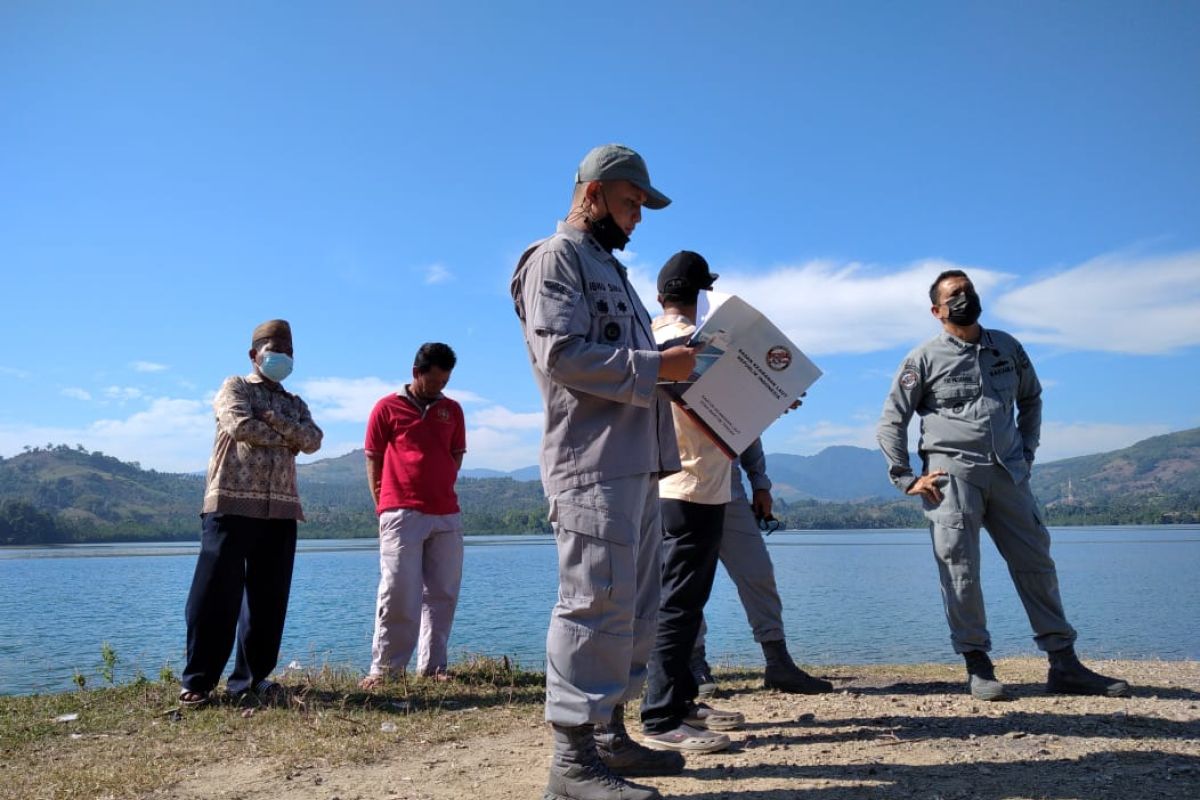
977	457
693	514
607	439
745	556
415	443
248	531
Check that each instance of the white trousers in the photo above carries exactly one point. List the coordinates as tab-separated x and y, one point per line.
420	572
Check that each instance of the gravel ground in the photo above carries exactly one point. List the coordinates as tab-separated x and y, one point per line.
887	732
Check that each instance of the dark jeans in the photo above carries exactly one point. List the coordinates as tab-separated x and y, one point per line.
691	541
241	584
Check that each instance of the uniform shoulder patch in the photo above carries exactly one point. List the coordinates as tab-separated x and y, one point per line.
908	378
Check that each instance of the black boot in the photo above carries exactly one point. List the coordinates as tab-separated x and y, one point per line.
624	756
981	677
783	674
1069	676
577	773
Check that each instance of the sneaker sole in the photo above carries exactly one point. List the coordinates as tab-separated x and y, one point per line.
690	745
716	724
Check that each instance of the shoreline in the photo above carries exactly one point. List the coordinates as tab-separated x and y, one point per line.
370	535
888	731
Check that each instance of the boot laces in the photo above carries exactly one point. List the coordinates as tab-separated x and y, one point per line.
593	766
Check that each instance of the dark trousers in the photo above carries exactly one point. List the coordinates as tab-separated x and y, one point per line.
241	584
691	542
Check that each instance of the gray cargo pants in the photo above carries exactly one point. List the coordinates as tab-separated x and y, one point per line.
744	554
1009	512
609	537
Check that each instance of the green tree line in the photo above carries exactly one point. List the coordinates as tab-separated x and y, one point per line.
61	494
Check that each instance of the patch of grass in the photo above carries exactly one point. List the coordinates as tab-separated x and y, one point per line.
133	738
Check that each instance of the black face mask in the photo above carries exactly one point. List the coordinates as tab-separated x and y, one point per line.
608	233
964	309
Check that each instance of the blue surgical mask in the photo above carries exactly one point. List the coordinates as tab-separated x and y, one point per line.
275	366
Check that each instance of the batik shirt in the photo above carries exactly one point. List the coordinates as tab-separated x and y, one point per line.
252	471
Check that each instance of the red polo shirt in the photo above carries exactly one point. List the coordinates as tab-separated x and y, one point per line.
418	448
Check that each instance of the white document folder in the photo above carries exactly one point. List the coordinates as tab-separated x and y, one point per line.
747	373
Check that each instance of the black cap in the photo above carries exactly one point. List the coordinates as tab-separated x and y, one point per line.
685	272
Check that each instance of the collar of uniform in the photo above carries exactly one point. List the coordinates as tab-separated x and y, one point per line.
585	239
985	340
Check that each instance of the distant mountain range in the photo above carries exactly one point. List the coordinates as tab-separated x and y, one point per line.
60	493
840	473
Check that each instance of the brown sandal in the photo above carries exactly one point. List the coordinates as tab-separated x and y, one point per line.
189	698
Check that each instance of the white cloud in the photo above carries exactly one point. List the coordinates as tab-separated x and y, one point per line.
345	399
77	393
171	435
351	399
643	276
497	438
122	393
13	372
1070	439
808	439
464	396
148	366
1115	303
501	449
504	419
437	273
828	308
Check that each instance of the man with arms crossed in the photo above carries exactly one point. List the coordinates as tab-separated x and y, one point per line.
415	443
977	456
607	439
248	539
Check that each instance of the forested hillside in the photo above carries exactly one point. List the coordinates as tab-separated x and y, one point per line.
67	494
59	493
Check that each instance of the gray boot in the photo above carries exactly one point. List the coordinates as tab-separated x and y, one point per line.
624	756
577	773
706	684
783	674
981	677
1068	676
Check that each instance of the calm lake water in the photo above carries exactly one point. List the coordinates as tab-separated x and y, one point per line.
849	597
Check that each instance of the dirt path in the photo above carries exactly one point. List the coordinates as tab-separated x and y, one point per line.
888	732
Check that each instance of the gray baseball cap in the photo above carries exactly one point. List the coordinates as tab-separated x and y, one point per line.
616	162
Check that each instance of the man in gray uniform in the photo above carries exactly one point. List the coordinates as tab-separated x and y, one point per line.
608	437
745	556
976	459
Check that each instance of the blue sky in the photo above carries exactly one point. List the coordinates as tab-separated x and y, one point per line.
174	173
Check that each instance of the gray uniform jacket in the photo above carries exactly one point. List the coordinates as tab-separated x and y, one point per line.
755	463
965	394
595	362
